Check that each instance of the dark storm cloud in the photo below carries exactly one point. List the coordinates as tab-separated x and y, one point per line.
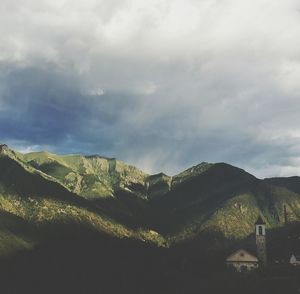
161	84
45	107
36	106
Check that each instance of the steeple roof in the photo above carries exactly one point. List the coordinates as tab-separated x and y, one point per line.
260	221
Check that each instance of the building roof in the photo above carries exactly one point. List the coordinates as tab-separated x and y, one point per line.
296	256
260	221
241	255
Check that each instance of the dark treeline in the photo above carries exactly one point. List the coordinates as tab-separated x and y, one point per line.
91	263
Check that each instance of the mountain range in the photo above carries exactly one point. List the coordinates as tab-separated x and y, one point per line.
42	193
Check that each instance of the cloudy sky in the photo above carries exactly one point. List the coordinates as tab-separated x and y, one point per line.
162	84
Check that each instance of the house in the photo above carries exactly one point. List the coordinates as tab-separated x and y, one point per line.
295	260
242	261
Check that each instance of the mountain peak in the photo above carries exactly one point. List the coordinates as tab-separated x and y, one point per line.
161	174
191	172
3	147
99	156
6	151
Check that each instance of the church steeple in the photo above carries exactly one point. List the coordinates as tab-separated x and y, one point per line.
260	235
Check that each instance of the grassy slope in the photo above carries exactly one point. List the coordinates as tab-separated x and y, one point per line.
36	199
89	176
222	199
15	234
118	189
215	198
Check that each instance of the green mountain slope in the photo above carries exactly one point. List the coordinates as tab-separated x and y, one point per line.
222	199
108	196
120	190
16	234
88	176
39	200
90	224
290	183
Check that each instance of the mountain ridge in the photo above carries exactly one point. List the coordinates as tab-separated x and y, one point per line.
107	195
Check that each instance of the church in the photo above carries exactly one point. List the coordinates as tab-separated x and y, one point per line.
242	260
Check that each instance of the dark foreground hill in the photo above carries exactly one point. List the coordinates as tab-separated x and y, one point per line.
89	263
89	224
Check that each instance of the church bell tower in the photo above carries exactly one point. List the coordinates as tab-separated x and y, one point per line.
260	234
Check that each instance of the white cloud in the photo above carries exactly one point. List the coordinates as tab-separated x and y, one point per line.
96	92
218	75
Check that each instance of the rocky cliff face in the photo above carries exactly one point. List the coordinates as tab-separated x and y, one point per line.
89	176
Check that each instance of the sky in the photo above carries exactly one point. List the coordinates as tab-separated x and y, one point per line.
160	84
